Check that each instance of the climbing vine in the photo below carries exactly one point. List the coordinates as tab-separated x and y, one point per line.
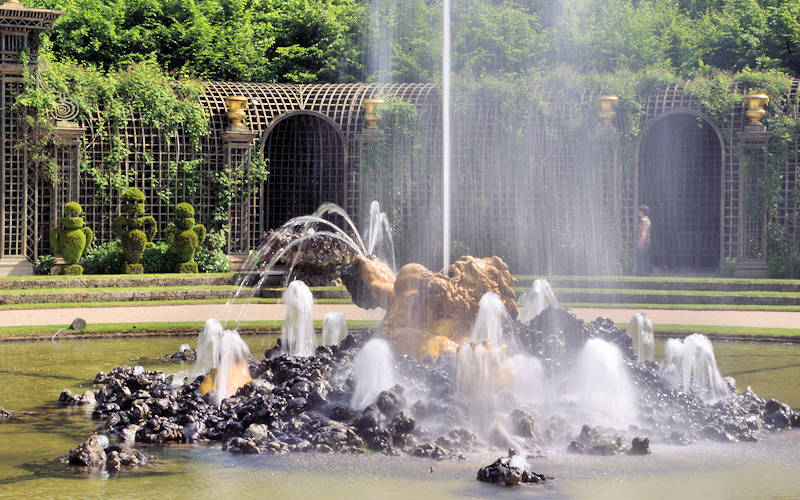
109	100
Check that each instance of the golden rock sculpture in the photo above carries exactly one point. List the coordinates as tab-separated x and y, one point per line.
428	312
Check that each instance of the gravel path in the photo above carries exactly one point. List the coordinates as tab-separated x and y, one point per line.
201	312
185	312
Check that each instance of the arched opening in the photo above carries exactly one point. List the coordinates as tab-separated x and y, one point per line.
680	169
307	166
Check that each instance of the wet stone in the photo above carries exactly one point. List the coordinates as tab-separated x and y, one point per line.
502	472
640	446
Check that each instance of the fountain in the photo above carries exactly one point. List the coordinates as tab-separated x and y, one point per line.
537	300
378	241
373	372
601	388
334	328
297	331
691	367
640	330
222	361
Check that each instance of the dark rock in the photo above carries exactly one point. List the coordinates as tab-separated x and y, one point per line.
67	398
522	423
5	415
640	446
402	423
502	472
392	401
89	454
780	415
597	441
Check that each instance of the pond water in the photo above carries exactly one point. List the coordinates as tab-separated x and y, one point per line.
32	375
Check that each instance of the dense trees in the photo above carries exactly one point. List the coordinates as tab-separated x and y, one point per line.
347	40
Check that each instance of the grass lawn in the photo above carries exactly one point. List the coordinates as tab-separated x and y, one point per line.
742	332
690	307
145	303
155	328
655	279
705	293
28	291
114	276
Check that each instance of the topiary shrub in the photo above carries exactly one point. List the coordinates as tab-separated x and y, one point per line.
184	236
71	239
134	229
107	258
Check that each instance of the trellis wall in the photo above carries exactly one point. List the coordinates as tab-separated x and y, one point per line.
155	165
555	195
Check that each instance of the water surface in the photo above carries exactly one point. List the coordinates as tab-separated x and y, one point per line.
32	375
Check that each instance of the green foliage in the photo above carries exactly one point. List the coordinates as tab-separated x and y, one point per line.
107	258
258	40
110	99
44	263
157	259
211	260
728	266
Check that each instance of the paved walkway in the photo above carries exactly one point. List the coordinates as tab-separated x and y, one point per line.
186	312
251	312
763	319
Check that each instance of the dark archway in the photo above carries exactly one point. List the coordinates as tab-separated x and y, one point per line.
680	177
307	166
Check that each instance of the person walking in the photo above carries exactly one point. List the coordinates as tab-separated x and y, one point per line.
643	265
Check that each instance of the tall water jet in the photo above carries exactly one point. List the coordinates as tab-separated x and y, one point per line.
378	239
537	300
640	330
600	387
373	372
690	365
446	144
334	328
492	315
297	331
222	356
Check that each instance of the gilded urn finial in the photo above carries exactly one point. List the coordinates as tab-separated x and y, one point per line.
371	111
755	111
236	104
607	109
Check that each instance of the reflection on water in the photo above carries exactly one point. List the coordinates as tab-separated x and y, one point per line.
33	374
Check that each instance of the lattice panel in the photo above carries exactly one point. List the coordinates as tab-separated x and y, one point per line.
307	168
679	178
15	176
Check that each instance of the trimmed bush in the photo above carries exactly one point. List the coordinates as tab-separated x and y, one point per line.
71	240
72	269
133	229
184	236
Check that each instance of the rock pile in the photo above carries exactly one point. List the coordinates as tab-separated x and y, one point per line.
315	260
97	453
303	404
510	471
